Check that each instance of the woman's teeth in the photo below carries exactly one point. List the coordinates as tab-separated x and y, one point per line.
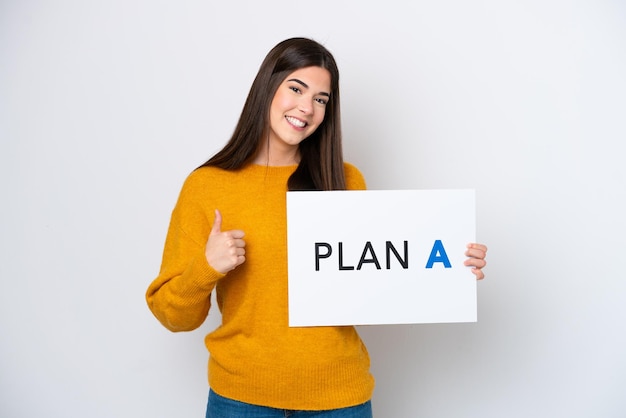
295	122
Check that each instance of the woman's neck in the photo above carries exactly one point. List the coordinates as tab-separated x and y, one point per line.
272	157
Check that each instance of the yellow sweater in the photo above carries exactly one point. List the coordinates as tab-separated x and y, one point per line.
255	357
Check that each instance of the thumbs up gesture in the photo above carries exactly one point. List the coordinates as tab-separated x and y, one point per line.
225	250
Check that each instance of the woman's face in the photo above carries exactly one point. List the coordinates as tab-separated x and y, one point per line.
298	107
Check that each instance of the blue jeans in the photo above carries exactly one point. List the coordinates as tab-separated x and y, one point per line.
221	407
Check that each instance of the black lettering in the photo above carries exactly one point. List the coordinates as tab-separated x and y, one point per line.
318	255
373	259
341	266
404	262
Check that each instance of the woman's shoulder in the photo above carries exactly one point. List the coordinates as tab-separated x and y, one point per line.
354	177
206	174
203	179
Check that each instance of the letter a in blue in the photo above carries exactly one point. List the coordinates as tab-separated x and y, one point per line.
438	255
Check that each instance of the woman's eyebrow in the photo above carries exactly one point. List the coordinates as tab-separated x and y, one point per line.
303	84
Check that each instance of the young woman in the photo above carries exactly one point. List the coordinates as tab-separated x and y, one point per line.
228	234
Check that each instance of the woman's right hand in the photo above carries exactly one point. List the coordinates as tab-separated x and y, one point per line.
224	250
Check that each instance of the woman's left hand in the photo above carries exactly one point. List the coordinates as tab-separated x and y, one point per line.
476	254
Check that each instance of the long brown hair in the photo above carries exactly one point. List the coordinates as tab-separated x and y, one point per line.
321	162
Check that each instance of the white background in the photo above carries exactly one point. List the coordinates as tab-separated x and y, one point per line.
105	107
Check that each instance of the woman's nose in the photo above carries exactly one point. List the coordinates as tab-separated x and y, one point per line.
305	106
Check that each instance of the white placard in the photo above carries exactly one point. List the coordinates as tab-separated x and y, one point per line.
380	257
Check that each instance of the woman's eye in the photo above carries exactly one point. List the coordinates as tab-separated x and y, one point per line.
321	101
295	89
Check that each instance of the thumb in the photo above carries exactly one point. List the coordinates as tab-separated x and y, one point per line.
217	224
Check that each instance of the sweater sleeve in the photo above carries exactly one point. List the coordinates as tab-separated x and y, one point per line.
180	297
354	178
